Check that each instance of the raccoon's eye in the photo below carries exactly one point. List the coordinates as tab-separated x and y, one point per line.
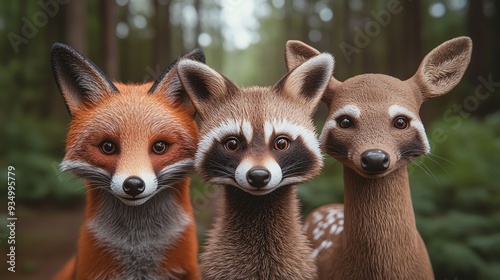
281	143
345	122
400	123
232	144
108	148
160	147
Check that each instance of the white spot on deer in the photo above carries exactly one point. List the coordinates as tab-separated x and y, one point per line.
306	226
333	229
317	217
396	110
324	245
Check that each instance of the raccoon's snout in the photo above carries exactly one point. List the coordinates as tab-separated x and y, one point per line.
258	177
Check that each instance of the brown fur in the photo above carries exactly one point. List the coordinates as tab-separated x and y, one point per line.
257	236
379	238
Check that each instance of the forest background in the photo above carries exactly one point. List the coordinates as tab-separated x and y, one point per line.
455	190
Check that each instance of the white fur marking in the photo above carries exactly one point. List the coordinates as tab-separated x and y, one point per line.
219	133
396	110
299	75
350	110
271	165
294	131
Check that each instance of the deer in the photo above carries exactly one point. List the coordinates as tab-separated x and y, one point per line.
257	144
373	128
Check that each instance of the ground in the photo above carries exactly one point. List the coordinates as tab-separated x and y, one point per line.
46	238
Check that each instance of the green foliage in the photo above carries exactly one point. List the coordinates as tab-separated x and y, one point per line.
324	189
456	196
35	150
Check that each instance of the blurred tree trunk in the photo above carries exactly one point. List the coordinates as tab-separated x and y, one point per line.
75	24
396	44
476	26
57	110
349	65
162	52
109	50
367	53
412	37
197	31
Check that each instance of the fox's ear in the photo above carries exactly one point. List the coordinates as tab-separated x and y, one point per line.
80	81
297	52
442	69
203	85
168	82
307	82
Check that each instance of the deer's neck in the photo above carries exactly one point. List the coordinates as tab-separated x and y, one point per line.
262	234
380	233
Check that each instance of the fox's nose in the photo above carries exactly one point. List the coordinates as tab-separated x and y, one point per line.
375	161
133	186
258	177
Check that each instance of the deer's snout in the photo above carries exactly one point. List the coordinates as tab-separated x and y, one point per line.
375	161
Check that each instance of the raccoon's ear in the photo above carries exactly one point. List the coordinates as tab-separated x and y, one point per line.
203	84
80	81
297	52
168	82
307	82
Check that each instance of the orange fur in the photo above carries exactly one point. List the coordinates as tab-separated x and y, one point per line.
150	233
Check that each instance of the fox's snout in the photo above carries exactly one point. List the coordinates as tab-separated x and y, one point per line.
133	186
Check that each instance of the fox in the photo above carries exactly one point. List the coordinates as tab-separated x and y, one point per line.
257	143
133	145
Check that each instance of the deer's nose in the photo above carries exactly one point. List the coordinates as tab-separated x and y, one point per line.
375	161
133	186
258	177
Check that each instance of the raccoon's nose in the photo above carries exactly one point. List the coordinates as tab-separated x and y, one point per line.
258	177
133	186
375	161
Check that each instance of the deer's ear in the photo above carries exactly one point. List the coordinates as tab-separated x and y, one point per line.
169	84
307	82
203	85
80	81
442	69
296	53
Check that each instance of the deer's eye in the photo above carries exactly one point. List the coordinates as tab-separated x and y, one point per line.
232	144
108	148
345	122
400	123
281	143
159	147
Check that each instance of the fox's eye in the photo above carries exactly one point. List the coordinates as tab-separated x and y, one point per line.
345	122
400	123
160	147
232	144
281	143
108	148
